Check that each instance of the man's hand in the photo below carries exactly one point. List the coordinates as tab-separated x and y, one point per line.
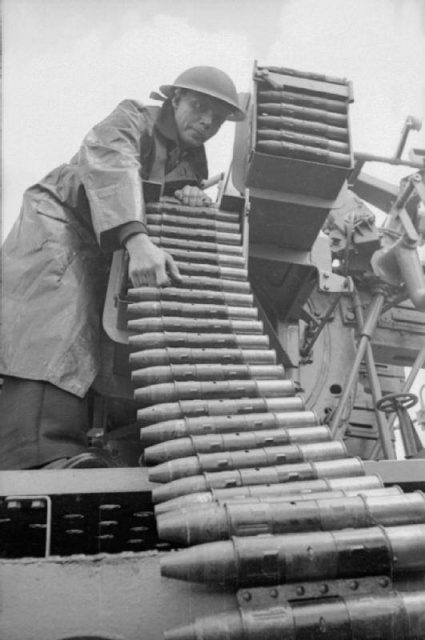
193	197
149	265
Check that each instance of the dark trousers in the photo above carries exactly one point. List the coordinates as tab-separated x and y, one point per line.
39	423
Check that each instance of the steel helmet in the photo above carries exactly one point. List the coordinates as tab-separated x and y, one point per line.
212	82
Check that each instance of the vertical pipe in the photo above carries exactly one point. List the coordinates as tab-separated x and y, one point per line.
366	333
383	428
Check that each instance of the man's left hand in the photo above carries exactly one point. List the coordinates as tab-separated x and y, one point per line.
193	197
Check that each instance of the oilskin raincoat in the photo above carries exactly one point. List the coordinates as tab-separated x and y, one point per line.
56	258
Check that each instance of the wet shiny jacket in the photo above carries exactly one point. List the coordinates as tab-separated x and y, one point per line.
56	258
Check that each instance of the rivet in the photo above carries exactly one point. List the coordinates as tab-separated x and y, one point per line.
246	596
274	593
300	591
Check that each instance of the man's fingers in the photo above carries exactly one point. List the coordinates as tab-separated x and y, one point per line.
173	270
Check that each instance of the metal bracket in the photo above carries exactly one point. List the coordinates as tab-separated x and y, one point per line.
283	595
329	282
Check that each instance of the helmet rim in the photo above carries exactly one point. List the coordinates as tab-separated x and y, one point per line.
194	83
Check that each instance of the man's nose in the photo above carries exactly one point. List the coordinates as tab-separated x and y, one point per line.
207	117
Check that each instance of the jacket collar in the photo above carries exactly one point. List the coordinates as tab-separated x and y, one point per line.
166	124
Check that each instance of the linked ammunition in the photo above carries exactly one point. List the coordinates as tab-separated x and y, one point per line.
167	323
303	99
314	154
167	219
155	357
390	615
174	391
204	235
193	296
214	284
192	212
259	458
172	243
170	373
304	113
187	310
221	522
266	475
212	271
303	490
198	340
281	559
207	259
299	138
182	447
321	77
294	124
227	424
176	410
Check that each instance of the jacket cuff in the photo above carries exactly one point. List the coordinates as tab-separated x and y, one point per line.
113	239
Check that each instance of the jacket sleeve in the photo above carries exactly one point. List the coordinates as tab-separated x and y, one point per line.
110	170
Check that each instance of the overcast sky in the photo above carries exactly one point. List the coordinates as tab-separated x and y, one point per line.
67	63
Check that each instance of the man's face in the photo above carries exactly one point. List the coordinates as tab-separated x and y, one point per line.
198	117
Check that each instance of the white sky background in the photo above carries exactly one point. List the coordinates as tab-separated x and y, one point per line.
67	63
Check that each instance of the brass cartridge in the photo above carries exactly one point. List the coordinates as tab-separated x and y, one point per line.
176	372
193	296
304	113
280	148
175	410
302	126
227	424
174	391
303	100
182	447
281	559
155	357
259	458
187	325
280	474
300	490
188	310
280	516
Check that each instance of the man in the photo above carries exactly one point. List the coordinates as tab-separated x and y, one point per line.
56	259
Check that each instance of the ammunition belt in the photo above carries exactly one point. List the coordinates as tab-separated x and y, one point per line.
237	455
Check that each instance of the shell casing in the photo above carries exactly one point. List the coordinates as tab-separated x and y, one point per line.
212	284
281	148
188	310
304	113
259	476
183	447
325	513
191	233
302	490
227	424
176	372
161	340
212	271
170	243
155	357
207	259
391	615
176	410
288	558
193	296
242	459
298	138
187	326
303	126
194	390
192	212
168	219
303	100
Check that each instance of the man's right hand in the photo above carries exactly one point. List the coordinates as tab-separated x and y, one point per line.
149	265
